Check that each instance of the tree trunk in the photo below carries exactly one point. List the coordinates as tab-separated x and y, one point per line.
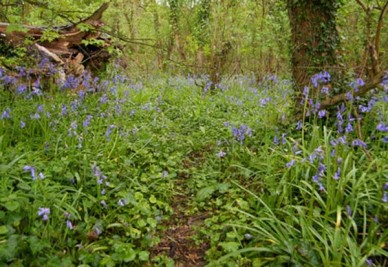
315	41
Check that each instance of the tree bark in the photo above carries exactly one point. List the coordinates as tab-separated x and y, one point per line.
315	41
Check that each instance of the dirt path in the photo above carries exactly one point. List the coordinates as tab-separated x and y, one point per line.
177	239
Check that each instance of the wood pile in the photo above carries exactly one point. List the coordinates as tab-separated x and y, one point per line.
72	49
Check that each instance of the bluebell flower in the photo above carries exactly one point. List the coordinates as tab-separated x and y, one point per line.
64	110
349	128
86	122
71	82
44	213
109	131
363	109
358	142
21	89
342	140
121	202
30	169
337	174
6	114
385	197
103	204
290	163
69	224
299	125
221	154
35	116
385	187
321	113
321	169
348	211
104	99
349	96
22	124
382	127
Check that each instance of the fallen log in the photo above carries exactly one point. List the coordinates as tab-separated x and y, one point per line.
73	48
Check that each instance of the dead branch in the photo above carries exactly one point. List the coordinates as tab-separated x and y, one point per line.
371	84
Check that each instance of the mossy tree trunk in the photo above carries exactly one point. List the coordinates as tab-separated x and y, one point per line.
315	41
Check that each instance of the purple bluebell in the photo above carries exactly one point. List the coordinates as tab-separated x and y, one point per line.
35	116
71	82
104	99
360	143
290	163
64	110
325	90
342	140
349	210
103	204
363	109
121	202
221	154
385	197
349	128
241	132
321	113
69	224
385	187
337	174
382	127
74	105
349	96
86	122
8	80
31	169
321	169
22	124
299	125
21	89
320	78
44	213
109	131
306	91
6	114
315	178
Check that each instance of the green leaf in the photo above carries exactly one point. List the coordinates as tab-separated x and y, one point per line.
3	230
230	246
144	255
152	199
130	255
205	193
11	205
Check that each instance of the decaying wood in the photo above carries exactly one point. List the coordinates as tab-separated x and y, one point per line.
69	50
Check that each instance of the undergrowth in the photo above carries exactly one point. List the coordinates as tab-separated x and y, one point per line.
87	175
